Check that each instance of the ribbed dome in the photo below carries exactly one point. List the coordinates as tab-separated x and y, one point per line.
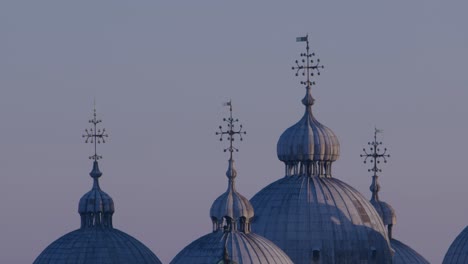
242	248
231	203
386	212
458	251
320	219
406	255
97	245
308	146
308	140
96	207
96	242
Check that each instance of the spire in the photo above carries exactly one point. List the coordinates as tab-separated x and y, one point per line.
231	211
307	66
95	207
230	133
375	155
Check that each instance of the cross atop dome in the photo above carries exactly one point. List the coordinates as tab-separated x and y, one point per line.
375	155
307	66
95	135
231	130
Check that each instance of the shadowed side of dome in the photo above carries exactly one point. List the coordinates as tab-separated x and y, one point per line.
243	249
96	242
320	220
96	207
406	255
458	250
97	245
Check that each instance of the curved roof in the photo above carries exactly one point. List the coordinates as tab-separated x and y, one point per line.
242	248
308	140
96	242
406	255
231	203
458	250
97	245
316	217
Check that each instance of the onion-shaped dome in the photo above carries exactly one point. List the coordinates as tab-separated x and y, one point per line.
406	255
386	211
458	251
231	203
403	254
308	145
232	240
320	220
97	241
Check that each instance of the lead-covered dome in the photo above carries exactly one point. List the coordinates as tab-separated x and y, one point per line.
320	220
97	241
406	255
231	204
458	250
97	245
242	248
232	240
308	139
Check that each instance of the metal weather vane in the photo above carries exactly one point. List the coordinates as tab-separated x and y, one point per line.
375	154
95	136
231	131
307	66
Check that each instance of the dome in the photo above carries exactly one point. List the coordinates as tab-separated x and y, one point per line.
403	254
243	249
232	239
96	206
231	203
320	219
458	251
97	241
386	211
406	255
97	245
308	142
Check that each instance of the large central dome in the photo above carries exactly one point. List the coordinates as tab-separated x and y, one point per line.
312	216
318	218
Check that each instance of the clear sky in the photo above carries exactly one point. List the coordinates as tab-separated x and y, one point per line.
160	72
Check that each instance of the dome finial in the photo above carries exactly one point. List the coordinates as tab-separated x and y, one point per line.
385	210
230	132
306	67
375	155
231	211
94	135
96	207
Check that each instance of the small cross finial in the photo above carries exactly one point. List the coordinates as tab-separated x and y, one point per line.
375	154
231	131
307	66
94	135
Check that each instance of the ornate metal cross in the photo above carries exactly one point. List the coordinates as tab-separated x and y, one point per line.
95	136
375	155
307	65
230	131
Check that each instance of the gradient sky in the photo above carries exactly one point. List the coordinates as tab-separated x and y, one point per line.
160	72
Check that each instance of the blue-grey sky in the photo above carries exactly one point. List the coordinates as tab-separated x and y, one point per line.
160	71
